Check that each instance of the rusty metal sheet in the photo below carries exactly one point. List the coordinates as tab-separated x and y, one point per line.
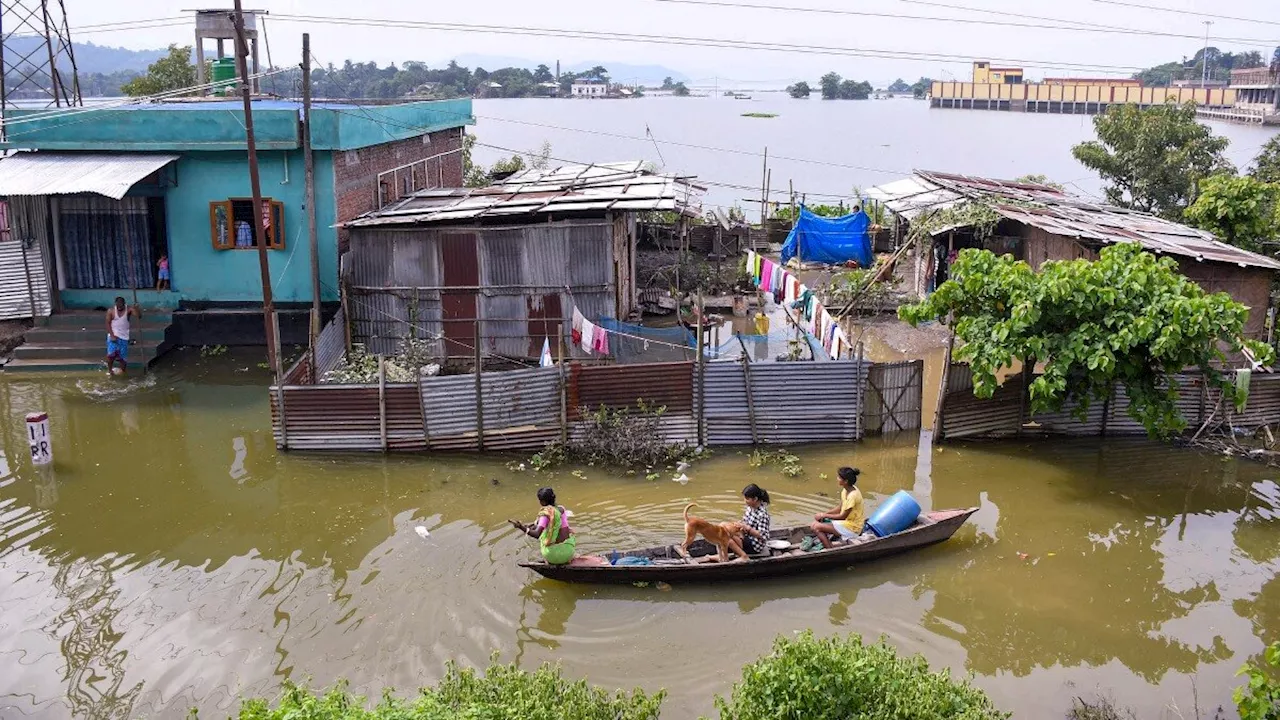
965	415
330	417
668	385
405	429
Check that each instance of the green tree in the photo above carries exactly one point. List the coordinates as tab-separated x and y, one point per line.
1249	59
1127	319
171	72
921	87
680	90
830	86
852	90
1239	209
1152	158
899	86
598	72
1039	179
1266	166
542	74
799	90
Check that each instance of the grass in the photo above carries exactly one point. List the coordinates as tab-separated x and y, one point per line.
760	115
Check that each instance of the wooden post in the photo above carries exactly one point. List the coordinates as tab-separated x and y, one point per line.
1106	409
861	393
479	392
764	186
946	379
255	184
309	164
346	313
564	386
1028	369
382	401
746	382
702	378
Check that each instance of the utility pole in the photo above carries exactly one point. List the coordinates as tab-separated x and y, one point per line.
311	193
1204	56
259	233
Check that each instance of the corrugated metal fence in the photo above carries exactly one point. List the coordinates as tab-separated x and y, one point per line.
774	403
782	403
1006	413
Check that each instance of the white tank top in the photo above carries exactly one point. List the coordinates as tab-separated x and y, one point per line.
120	323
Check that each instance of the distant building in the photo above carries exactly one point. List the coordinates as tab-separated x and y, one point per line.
589	87
1257	88
985	74
1005	88
1195	83
1098	82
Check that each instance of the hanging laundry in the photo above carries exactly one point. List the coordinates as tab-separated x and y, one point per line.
575	331
546	361
588	335
600	342
766	275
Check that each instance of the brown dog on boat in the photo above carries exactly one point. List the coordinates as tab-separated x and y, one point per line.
722	535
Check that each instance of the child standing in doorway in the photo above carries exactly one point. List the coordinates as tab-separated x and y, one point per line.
162	274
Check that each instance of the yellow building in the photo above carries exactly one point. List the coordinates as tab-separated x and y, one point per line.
983	73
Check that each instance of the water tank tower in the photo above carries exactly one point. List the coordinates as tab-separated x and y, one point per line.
217	25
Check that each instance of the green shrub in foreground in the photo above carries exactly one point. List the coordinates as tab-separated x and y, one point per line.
842	679
503	691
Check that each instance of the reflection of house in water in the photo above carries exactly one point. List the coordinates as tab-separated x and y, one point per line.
1041	222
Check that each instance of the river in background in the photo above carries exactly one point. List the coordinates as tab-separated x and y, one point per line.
846	143
173	558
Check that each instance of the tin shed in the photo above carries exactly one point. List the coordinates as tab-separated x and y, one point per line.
508	263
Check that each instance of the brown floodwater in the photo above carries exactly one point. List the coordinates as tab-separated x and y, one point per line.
172	558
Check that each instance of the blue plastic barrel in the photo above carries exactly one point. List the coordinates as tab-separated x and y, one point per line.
895	514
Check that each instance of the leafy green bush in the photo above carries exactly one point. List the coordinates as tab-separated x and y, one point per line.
503	691
844	679
1259	698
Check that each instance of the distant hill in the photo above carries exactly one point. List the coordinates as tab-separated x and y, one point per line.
621	72
92	58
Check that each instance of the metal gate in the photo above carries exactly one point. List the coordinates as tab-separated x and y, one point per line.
893	397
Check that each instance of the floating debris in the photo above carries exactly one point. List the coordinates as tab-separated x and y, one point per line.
422	532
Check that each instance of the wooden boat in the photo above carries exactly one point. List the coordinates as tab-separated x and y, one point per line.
702	565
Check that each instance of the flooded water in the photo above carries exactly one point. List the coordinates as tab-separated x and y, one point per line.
825	147
172	558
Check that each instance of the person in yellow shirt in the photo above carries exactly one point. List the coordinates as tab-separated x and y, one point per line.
846	521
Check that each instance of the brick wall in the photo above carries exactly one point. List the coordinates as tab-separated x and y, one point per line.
355	172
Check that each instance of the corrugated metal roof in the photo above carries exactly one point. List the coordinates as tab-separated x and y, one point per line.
55	173
624	186
1061	213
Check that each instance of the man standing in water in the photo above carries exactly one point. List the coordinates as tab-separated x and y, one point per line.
118	334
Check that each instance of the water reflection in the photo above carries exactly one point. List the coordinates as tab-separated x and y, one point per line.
187	562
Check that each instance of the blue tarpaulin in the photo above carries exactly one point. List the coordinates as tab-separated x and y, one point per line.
830	240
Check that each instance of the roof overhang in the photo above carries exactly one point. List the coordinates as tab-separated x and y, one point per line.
56	173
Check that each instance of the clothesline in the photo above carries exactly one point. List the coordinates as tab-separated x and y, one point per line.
810	314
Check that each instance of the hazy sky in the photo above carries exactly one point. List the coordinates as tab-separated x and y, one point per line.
728	20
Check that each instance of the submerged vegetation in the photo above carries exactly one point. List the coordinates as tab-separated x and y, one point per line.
759	115
625	438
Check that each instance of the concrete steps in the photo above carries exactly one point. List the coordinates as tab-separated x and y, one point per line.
76	342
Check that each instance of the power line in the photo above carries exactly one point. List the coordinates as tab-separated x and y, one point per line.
1178	11
691	41
1080	27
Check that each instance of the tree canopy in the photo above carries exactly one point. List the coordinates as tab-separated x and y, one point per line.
1151	159
1128	318
799	90
1241	210
920	88
1266	166
835	87
1220	66
174	71
899	86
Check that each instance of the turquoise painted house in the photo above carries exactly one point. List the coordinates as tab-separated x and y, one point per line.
98	198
